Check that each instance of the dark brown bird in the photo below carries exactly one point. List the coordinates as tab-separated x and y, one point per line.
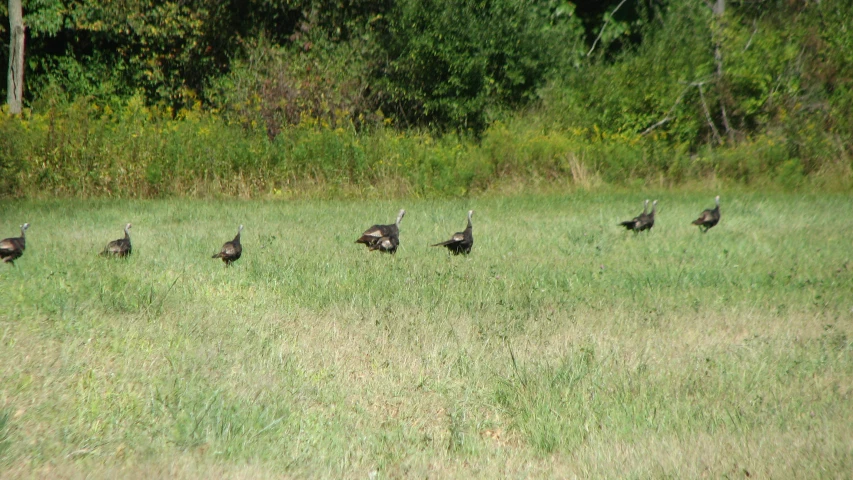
12	248
232	250
387	244
460	242
646	221
385	238
632	224
121	247
709	217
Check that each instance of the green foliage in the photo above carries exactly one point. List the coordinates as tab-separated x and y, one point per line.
446	64
45	17
84	148
158	48
634	92
273	94
774	76
462	66
278	88
168	50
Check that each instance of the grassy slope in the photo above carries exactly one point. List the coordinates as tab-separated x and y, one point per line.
563	346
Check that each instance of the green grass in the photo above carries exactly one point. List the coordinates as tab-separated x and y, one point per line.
562	346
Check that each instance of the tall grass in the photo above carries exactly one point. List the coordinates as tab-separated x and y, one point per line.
86	150
562	346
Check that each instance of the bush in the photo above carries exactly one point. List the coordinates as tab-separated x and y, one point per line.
276	87
446	64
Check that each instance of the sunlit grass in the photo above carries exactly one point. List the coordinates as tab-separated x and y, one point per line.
562	346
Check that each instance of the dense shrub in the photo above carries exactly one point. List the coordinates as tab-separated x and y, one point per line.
445	63
277	87
777	80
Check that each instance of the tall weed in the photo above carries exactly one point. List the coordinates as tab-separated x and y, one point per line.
82	148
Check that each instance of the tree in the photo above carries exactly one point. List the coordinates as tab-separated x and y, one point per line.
15	79
449	64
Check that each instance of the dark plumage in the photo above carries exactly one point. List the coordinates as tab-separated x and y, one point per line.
646	221
460	242
632	224
232	250
709	217
385	238
386	244
12	248
120	247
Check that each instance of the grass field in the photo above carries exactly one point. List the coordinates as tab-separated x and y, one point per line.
563	346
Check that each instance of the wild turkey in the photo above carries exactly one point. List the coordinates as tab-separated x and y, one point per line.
12	248
121	247
385	238
387	244
460	242
646	222
232	250
632	224
709	217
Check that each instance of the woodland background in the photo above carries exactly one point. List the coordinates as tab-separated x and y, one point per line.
141	98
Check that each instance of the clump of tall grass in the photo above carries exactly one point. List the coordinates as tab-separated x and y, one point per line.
90	150
128	149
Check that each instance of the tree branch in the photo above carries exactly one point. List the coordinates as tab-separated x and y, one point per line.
754	31
666	117
708	113
606	21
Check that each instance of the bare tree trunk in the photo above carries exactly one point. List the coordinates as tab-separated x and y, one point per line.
719	10
15	79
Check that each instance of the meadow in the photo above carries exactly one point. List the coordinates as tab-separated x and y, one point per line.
564	346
